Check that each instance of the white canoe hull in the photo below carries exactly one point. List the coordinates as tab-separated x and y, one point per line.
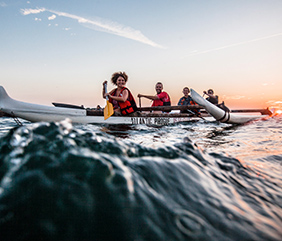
221	115
38	113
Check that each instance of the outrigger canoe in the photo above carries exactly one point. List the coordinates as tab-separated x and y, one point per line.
225	116
78	114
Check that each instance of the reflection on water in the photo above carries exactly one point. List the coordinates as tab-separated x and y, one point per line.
249	141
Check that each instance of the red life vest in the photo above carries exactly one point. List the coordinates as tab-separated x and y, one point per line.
127	107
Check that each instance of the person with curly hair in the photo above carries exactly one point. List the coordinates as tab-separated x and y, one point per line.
121	97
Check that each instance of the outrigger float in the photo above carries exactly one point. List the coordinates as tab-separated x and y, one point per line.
145	115
228	117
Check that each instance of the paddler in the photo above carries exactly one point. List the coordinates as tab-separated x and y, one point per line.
214	100
186	100
160	99
121	97
211	97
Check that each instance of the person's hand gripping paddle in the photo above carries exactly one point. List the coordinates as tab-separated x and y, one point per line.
109	109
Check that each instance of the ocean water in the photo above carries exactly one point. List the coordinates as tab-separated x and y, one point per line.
195	181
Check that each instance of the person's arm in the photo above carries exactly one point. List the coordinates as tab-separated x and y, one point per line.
122	98
215	97
179	102
191	101
211	95
151	97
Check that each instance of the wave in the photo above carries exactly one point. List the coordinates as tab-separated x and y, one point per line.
60	182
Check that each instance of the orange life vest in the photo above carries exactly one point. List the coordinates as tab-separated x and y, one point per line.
127	107
192	102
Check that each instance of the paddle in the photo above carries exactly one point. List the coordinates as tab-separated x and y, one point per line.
140	102
109	109
192	112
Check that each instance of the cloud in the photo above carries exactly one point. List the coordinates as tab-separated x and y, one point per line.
100	25
274	103
236	44
52	17
32	11
2	4
267	84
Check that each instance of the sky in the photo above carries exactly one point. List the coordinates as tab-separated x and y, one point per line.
62	51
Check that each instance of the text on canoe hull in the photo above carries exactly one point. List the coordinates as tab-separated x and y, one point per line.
156	121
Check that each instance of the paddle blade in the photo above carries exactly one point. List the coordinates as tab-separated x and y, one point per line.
108	111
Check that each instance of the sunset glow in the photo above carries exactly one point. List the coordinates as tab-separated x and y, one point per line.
62	52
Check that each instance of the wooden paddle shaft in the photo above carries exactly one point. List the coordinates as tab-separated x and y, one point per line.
169	108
